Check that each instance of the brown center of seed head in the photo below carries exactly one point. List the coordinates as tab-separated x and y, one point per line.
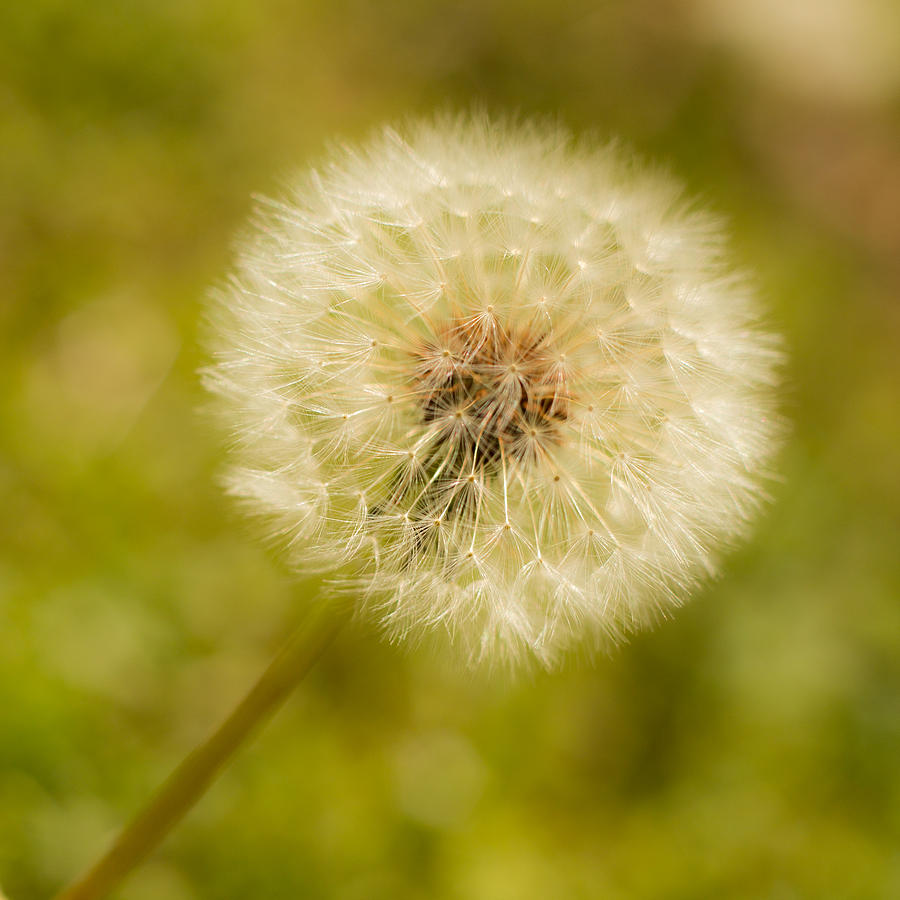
491	395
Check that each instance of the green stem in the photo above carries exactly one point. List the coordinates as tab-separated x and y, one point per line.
196	772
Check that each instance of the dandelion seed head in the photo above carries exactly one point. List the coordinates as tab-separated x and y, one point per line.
506	387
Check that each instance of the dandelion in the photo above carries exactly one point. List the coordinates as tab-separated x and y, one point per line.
504	385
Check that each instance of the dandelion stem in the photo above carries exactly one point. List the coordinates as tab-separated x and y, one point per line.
196	772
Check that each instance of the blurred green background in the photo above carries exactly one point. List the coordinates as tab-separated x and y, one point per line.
749	748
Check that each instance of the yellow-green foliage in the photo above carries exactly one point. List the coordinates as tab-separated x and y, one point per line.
746	749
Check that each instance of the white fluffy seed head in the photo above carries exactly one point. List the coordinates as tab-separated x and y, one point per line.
503	385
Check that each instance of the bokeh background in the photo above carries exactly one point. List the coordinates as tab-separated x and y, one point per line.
748	748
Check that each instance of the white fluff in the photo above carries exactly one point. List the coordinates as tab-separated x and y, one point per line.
504	385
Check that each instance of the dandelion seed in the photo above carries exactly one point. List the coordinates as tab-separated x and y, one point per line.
533	364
